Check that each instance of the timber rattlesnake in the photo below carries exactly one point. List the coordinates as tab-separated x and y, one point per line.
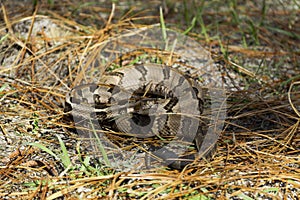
144	101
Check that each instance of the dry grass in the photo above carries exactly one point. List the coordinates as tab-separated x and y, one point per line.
258	155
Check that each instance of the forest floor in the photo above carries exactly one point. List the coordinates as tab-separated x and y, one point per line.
49	47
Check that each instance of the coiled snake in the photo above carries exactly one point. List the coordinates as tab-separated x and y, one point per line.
145	101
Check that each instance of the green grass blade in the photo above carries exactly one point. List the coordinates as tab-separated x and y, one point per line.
42	147
102	150
65	158
162	23
191	27
284	32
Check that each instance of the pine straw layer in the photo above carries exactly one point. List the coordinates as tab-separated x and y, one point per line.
258	153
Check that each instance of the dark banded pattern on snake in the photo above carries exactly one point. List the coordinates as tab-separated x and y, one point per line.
145	101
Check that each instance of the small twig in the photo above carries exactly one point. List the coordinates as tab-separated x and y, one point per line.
290	100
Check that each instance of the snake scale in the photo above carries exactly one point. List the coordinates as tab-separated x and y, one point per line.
145	101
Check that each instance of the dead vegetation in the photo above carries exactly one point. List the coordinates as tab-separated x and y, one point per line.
44	53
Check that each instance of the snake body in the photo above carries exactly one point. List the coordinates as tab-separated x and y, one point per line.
145	101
